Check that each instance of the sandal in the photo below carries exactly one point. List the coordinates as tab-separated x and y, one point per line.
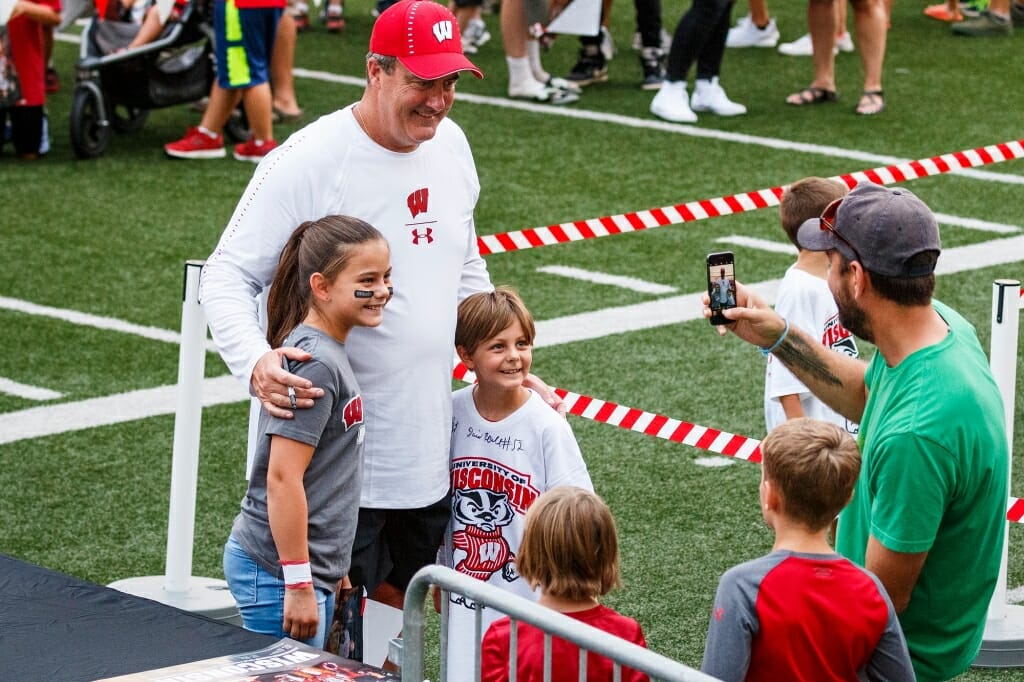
871	102
282	116
811	95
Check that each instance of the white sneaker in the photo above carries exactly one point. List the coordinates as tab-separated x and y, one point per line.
562	84
746	34
476	31
672	104
708	95
844	43
539	92
802	47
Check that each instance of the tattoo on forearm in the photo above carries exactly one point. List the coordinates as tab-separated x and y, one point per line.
802	359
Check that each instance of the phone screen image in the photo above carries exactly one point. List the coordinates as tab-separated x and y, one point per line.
721	284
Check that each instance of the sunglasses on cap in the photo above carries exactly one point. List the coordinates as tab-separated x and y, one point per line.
828	222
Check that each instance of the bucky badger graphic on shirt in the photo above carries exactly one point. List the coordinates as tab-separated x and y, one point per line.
489	503
483	513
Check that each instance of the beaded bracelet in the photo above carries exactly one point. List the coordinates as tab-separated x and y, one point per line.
768	351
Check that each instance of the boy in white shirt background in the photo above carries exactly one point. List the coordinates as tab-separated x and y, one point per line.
805	301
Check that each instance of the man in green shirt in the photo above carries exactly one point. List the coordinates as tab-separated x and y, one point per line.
928	510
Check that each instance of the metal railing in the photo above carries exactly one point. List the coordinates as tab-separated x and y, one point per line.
586	637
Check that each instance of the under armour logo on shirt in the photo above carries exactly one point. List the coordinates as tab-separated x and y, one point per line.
425	235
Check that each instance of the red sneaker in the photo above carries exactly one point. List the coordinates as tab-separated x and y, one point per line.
52	80
196	145
251	150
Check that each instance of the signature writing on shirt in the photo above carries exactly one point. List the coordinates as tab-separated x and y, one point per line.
504	442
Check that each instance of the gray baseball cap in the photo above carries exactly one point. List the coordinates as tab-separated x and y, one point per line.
881	227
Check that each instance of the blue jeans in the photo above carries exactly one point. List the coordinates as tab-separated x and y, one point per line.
260	596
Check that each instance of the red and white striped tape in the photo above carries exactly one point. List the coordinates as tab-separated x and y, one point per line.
1015	510
701	437
678	431
737	203
659	426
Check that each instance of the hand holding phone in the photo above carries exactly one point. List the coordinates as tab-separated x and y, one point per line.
721	269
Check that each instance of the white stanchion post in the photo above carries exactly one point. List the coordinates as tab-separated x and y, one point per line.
178	587
188	415
1002	644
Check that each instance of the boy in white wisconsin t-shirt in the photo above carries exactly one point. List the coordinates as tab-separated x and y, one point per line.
805	300
507	448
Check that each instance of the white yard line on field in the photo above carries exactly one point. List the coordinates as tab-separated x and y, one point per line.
981	255
632	318
39	421
972	224
716	462
95	321
759	244
631	283
25	391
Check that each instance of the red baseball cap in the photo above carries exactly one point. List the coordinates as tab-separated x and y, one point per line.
425	38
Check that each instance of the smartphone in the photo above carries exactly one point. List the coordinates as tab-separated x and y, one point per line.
721	284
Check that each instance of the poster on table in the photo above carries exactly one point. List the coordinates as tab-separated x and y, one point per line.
285	660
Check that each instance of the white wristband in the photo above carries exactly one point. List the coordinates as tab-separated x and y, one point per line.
296	573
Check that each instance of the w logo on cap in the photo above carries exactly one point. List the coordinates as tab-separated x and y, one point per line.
424	36
443	31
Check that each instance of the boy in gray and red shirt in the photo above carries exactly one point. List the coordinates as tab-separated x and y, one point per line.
803	612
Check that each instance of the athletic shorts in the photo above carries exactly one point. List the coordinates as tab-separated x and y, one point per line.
244	41
392	544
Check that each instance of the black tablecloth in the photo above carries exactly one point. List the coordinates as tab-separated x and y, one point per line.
56	627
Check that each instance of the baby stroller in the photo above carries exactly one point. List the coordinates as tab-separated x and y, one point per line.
117	87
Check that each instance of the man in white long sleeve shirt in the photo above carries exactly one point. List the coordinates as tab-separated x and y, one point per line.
394	160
